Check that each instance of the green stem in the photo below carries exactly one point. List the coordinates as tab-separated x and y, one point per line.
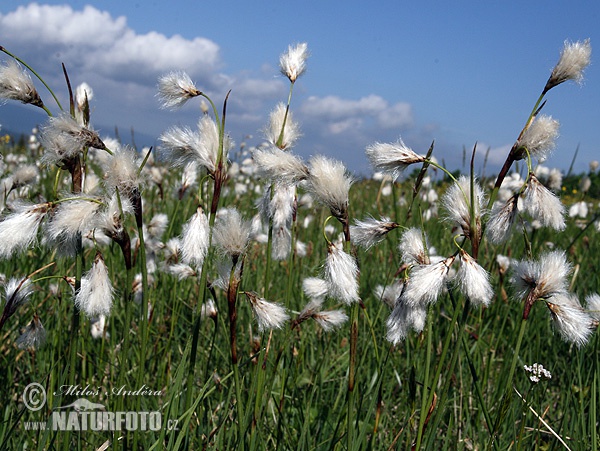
508	385
279	142
486	414
354	310
122	367
438	371
427	386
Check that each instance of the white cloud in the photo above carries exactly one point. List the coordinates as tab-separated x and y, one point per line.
122	66
93	40
346	113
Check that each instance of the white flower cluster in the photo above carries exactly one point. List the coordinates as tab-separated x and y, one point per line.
537	372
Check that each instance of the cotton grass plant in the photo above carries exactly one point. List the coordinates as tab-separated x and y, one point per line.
269	304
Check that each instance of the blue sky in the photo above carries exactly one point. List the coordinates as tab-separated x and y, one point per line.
457	73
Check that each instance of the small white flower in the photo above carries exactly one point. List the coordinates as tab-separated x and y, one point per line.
537	372
176	88
293	63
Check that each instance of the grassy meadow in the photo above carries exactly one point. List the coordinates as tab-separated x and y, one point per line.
189	337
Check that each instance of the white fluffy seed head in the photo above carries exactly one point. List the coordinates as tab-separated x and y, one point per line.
269	315
571	321
341	274
71	218
403	319
457	202
16	293
16	84
426	283
19	230
175	89
330	319
543	205
96	292
574	58
291	130
330	184
540	137
501	220
392	158
181	145
547	276
474	281
98	326
231	233
593	306
315	288
371	231
34	335
412	249
121	170
293	62
277	165
63	138
195	239
389	294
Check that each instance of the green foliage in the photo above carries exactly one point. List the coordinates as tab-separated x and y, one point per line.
293	381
